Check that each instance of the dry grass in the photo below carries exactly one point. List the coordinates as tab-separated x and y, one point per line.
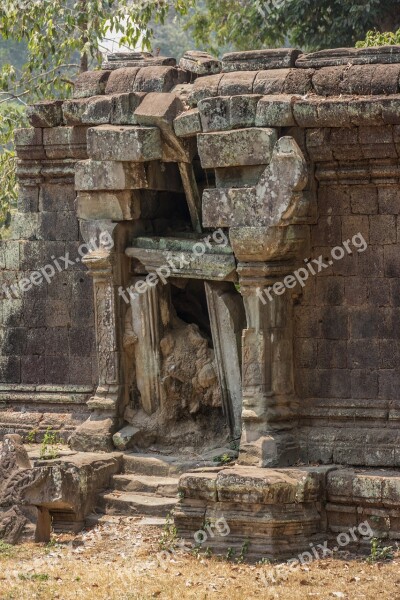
119	561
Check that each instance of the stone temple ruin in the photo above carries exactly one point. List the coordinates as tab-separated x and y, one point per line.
205	265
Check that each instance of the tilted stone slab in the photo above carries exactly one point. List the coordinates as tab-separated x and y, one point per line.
45	113
91	83
252	146
349	56
188	124
200	63
109	175
257	60
124	143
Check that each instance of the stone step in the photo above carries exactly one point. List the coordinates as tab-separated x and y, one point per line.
127	503
159	465
159	486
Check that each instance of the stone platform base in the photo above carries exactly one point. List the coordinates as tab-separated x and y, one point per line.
282	513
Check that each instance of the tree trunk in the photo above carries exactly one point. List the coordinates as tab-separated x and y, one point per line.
84	66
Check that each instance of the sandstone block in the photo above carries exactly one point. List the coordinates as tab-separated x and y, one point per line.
123	108
122	81
87	111
124	438
159	110
204	87
236	83
258	60
45	114
200	63
188	124
116	206
65	142
349	56
242	110
240	147
124	143
270	82
214	113
109	175
91	83
158	79
29	143
275	111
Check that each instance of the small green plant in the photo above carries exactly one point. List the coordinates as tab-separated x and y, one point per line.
243	552
378	38
378	552
230	553
208	552
169	534
6	550
223	459
181	494
33	577
49	447
31	436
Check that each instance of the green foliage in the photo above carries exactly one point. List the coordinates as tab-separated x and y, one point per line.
49	447
59	39
168	539
310	25
6	550
378	553
376	38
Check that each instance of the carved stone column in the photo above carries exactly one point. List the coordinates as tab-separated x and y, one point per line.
269	401
96	432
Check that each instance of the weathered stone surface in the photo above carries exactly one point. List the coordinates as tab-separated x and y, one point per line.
349	56
200	63
275	111
241	147
109	175
117	60
70	484
236	83
123	108
228	112
122	81
270	82
29	143
125	437
65	142
87	111
45	113
188	124
124	143
159	79
204	87
91	83
258	60
117	206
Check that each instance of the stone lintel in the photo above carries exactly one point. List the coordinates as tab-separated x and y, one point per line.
124	143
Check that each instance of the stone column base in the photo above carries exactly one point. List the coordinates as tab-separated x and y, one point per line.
270	449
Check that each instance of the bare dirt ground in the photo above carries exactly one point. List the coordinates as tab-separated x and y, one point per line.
123	560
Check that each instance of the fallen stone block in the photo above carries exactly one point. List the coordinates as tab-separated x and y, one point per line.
91	83
124	143
252	146
125	437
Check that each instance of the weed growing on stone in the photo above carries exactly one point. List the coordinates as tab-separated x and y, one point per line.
169	535
378	552
49	447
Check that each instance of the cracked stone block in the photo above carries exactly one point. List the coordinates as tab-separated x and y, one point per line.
124	143
239	147
91	83
88	111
